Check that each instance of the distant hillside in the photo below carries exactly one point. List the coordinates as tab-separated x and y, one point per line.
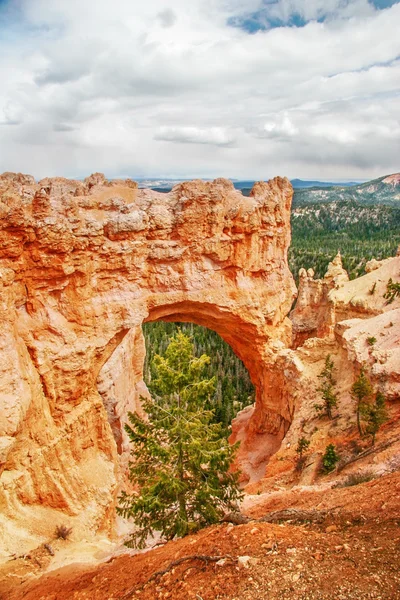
301	183
360	231
385	190
245	186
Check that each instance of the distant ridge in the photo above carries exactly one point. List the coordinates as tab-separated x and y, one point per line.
300	183
384	190
168	184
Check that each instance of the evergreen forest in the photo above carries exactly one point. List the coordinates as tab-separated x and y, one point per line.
234	389
359	231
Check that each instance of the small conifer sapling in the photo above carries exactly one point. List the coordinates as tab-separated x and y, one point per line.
392	291
327	389
361	391
302	445
374	415
329	459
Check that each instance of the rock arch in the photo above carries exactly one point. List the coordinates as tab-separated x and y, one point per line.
82	265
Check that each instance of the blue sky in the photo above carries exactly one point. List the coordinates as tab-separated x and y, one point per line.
262	19
240	88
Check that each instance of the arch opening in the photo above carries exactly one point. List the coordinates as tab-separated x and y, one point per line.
258	426
234	390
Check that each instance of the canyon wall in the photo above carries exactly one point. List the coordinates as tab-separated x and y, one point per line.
82	265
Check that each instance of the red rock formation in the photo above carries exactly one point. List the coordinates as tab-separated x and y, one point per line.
322	303
81	266
354	323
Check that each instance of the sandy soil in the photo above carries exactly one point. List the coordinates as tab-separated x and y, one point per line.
353	553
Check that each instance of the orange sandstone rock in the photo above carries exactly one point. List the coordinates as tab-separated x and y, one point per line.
82	265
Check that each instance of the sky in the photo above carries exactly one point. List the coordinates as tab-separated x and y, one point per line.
247	89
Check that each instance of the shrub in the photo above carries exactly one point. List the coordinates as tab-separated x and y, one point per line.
392	291
62	532
361	391
371	340
302	446
374	414
356	479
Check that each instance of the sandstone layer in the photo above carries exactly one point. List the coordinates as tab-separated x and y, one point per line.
82	266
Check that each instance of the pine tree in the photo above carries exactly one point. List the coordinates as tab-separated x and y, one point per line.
327	388
361	391
392	291
181	460
329	459
375	415
235	388
302	445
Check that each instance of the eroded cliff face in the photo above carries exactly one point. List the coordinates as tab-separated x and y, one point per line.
322	303
354	323
82	265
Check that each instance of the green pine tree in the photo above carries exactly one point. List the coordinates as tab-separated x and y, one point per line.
302	445
374	415
329	459
327	388
361	391
181	459
392	291
234	389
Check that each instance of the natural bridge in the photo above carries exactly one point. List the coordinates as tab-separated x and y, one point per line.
82	266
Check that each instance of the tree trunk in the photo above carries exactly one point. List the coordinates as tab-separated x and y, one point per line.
359	421
181	497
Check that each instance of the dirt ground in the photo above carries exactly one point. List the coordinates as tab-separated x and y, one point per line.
353	551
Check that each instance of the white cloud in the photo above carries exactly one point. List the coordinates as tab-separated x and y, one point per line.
167	17
195	135
280	126
167	87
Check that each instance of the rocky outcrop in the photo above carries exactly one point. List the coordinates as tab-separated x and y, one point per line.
353	323
82	265
322	303
375	343
313	315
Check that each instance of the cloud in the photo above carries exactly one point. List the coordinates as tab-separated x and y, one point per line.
169	87
10	115
167	17
62	127
215	136
280	126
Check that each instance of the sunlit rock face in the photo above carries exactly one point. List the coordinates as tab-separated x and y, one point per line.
322	303
82	265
